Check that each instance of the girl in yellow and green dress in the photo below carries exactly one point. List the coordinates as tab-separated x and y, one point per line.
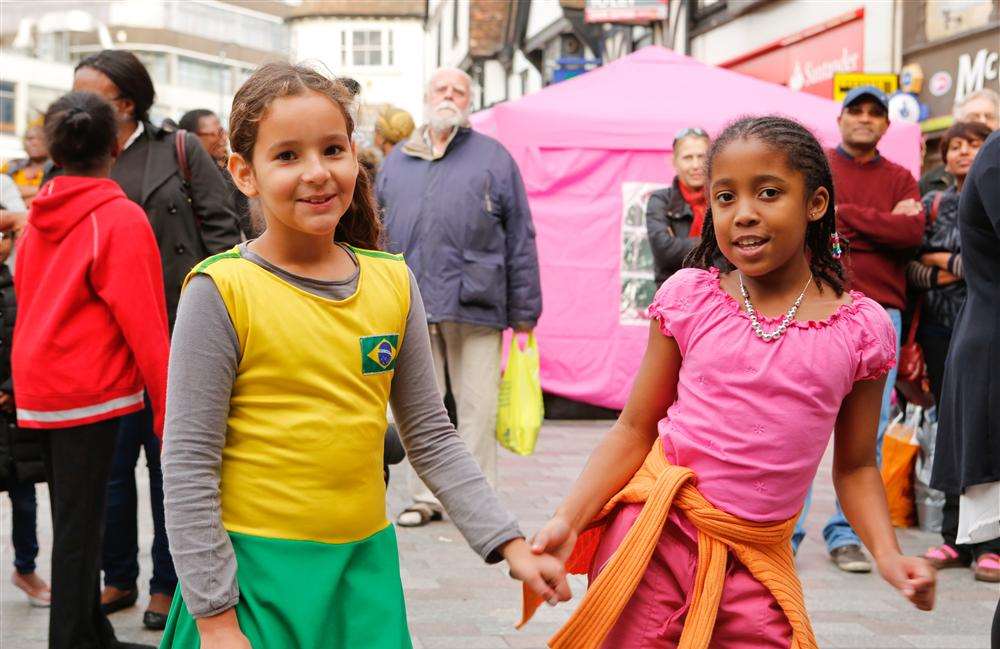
286	351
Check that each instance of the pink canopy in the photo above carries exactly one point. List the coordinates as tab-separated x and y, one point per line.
590	150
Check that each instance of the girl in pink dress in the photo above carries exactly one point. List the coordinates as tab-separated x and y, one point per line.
745	374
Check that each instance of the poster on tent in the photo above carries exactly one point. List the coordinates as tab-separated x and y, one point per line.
636	276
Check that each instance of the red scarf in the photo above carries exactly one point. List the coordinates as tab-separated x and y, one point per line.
699	203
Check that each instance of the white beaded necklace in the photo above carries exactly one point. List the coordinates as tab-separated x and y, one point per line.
783	327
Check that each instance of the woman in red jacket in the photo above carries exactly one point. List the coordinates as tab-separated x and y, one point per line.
89	344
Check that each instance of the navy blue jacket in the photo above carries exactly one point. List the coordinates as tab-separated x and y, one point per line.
463	224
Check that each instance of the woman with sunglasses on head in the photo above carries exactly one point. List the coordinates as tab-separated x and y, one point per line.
674	215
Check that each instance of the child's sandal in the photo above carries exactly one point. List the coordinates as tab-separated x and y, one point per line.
418	515
987	567
945	556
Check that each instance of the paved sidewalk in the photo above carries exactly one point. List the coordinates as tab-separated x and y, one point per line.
457	602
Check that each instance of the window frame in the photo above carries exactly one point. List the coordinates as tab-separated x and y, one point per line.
350	48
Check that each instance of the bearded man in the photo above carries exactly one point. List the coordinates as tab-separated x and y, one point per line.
455	206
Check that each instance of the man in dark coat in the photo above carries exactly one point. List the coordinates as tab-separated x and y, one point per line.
675	214
456	207
189	208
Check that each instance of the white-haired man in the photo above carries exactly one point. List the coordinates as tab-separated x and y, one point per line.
982	106
455	206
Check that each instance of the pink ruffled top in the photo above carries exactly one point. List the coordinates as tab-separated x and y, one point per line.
752	418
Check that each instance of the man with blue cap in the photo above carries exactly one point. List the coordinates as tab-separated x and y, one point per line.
880	224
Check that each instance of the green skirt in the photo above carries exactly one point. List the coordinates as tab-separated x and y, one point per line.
310	595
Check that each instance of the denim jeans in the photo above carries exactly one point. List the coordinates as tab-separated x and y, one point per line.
121	546
22	534
838	532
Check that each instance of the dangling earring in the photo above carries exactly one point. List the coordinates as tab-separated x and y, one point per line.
835	246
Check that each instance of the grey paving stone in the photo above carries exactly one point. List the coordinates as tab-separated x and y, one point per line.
455	601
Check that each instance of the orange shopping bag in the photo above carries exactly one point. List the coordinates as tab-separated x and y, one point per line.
899	457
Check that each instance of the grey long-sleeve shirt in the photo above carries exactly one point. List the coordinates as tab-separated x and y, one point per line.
204	357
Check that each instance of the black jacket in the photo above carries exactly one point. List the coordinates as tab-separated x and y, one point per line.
149	173
668	223
967	451
942	303
20	451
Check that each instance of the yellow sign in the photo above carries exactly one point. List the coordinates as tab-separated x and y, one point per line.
844	81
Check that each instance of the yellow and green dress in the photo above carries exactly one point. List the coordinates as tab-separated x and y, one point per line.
302	490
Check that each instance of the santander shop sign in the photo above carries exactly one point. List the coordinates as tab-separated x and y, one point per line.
811	73
808	60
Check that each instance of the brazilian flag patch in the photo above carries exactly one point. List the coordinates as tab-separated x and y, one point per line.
378	353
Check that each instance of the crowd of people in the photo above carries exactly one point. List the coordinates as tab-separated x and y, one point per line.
245	306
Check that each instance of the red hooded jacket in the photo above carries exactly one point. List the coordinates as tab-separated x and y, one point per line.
91	328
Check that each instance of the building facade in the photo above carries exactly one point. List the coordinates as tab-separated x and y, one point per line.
378	44
197	52
950	50
798	44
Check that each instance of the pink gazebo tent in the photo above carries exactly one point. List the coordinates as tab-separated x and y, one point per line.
590	149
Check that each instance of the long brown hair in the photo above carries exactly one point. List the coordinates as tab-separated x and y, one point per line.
360	226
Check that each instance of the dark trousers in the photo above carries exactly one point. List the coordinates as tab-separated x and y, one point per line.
935	348
121	543
23	536
77	464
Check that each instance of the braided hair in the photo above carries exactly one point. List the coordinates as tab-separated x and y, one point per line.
806	155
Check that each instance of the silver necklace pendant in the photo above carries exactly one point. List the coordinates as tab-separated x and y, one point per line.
783	326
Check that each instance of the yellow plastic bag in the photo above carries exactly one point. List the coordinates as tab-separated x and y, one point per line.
519	407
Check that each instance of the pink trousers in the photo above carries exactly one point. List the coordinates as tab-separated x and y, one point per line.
749	617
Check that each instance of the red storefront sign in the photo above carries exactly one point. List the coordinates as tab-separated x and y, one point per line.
808	60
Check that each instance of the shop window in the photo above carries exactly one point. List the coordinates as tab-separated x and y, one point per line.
6	107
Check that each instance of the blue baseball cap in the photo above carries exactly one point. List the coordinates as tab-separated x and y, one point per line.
866	91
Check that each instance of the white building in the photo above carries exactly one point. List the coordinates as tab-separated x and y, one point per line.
380	44
197	52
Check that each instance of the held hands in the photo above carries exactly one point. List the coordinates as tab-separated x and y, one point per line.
542	573
914	577
557	537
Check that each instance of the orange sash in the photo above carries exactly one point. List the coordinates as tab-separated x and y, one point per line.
764	548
